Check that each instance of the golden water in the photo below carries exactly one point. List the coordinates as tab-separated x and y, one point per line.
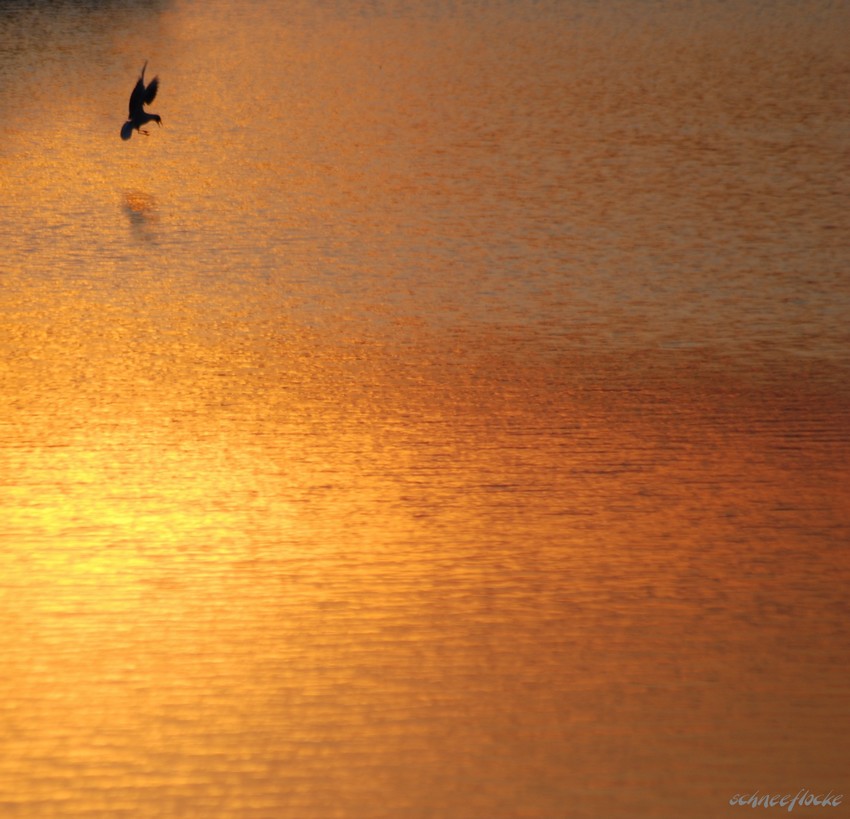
445	414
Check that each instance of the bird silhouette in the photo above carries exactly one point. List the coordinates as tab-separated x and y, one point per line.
141	97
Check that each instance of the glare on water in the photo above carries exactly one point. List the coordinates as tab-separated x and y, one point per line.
444	414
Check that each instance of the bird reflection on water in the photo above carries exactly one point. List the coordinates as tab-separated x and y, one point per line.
141	210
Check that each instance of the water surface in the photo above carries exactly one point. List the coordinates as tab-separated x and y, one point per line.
445	414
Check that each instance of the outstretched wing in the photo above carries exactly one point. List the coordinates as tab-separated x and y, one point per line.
150	91
137	98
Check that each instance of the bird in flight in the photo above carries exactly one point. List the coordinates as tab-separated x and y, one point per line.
141	97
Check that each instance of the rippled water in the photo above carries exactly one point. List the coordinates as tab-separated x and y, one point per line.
445	414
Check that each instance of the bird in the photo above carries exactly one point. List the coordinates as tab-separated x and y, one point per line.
141	97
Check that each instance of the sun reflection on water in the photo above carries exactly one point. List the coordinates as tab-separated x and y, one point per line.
445	414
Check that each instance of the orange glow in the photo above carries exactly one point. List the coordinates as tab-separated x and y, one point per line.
445	413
